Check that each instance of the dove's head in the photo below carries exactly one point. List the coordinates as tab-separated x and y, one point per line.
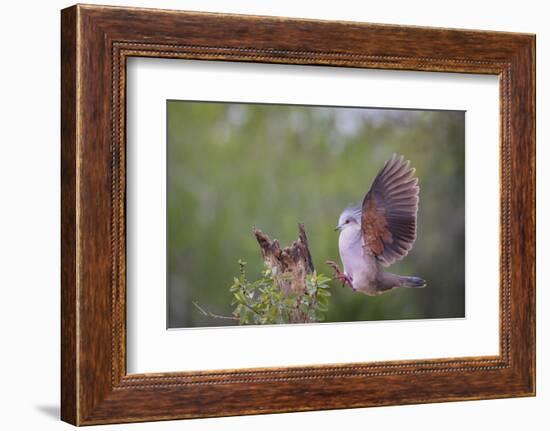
350	218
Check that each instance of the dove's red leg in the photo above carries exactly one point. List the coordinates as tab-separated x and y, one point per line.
344	279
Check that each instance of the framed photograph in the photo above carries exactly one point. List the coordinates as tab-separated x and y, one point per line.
266	215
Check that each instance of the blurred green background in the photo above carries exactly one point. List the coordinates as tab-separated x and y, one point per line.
232	167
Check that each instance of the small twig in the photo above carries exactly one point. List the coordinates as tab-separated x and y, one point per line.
251	309
210	314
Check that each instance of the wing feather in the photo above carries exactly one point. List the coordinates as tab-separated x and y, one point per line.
388	218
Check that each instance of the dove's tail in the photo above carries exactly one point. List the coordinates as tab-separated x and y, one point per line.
413	282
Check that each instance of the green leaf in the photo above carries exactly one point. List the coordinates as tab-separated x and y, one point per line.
240	297
322	307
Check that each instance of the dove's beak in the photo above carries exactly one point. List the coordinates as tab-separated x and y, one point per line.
339	227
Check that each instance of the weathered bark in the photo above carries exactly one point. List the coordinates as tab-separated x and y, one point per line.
293	262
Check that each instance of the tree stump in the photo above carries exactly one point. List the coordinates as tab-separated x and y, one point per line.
292	264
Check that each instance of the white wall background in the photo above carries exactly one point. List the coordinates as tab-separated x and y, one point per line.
29	215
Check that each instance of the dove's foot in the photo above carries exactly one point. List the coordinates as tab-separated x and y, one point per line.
344	278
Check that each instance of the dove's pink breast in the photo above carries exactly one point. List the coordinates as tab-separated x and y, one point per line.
361	267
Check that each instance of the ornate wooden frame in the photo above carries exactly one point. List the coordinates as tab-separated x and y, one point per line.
95	43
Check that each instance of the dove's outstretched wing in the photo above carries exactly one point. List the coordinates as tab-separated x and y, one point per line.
388	219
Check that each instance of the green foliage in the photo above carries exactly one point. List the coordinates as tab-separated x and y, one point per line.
262	301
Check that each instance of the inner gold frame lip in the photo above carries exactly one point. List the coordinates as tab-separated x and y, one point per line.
124	50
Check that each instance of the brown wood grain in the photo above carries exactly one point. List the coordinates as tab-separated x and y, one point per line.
68	217
96	41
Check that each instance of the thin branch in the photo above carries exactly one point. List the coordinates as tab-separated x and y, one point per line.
210	314
251	308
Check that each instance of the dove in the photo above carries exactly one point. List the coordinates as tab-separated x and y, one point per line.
380	231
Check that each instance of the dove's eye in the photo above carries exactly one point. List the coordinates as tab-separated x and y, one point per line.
347	221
